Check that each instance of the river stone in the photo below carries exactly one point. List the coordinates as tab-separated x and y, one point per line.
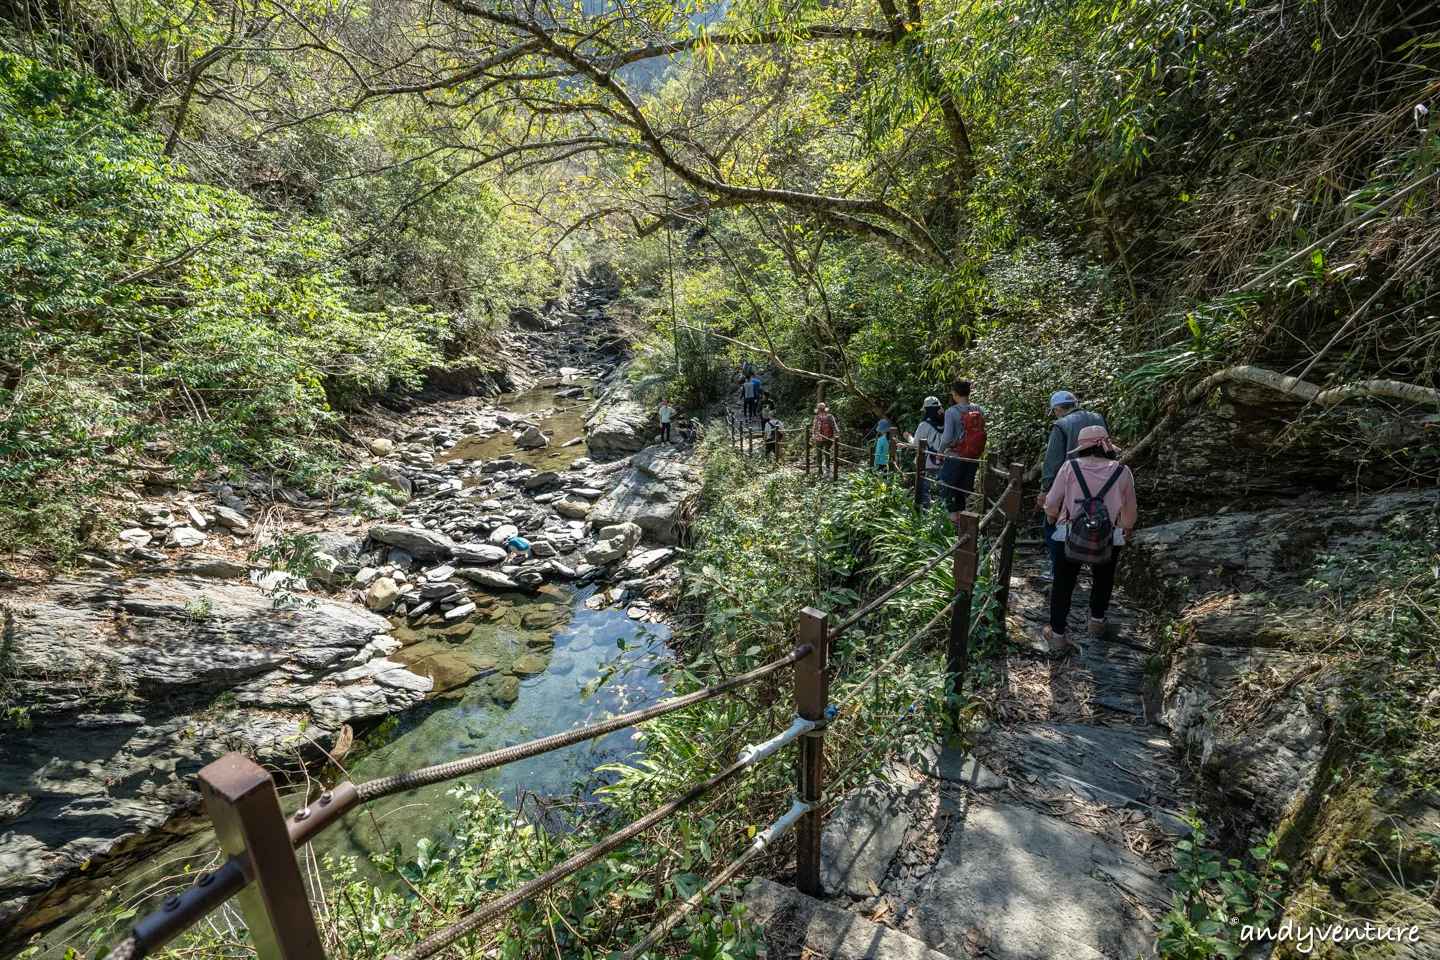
542	615
208	566
136	536
419	543
382	594
541	479
505	690
483	553
446	666
489	579
531	438
527	665
437	574
503	533
542	549
186	537
401	559
562	665
382	447
233	519
460	612
576	508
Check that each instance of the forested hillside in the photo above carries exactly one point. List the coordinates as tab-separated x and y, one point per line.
230	228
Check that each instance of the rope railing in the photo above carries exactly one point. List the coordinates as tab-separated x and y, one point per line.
885	597
260	841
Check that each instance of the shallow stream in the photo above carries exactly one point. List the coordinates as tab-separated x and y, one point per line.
524	666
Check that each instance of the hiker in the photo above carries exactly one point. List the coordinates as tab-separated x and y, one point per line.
1070	419
882	447
824	432
1092	506
666	412
689	430
767	406
930	430
963	437
750	394
774	434
747	370
518	547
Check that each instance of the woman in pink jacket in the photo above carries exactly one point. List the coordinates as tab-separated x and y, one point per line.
1094	459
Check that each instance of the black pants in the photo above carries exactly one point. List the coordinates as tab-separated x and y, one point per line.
824	453
664	433
750	404
1067	571
959	479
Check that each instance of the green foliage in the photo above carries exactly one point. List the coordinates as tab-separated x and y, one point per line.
1211	904
146	314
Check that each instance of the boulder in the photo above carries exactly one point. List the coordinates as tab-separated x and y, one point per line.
541	479
382	447
619	423
651	493
862	836
382	594
392	477
503	533
419	543
531	438
122	678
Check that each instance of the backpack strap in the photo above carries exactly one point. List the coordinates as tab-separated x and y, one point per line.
1114	475
1080	478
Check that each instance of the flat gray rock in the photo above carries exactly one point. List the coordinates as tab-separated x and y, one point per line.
1040	887
418	543
862	836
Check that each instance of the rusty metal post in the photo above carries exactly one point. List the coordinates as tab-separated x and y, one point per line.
812	696
1007	545
242	803
957	650
920	475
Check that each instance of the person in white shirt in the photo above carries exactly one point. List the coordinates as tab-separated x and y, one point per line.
930	430
666	412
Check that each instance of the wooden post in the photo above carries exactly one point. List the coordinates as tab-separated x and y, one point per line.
957	650
990	487
749	440
893	464
835	456
812	696
920	474
242	803
1007	545
807	450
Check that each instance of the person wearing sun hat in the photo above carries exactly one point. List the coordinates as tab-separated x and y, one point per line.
1091	470
882	446
824	433
930	429
1070	419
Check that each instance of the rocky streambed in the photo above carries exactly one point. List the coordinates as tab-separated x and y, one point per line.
121	683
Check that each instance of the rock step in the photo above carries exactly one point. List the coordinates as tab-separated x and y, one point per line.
1020	885
796	924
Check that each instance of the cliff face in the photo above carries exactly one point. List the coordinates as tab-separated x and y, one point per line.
1300	677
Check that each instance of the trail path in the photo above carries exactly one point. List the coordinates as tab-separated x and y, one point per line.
1049	843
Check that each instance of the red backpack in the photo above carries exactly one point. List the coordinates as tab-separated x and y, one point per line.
972	433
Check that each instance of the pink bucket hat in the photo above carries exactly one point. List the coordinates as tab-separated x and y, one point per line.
1090	436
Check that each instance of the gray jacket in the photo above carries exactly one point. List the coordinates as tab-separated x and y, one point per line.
1063	436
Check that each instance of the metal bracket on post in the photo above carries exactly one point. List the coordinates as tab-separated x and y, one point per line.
812	696
957	650
243	805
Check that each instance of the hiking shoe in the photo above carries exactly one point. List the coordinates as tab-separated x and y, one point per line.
1049	575
1100	628
1057	644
